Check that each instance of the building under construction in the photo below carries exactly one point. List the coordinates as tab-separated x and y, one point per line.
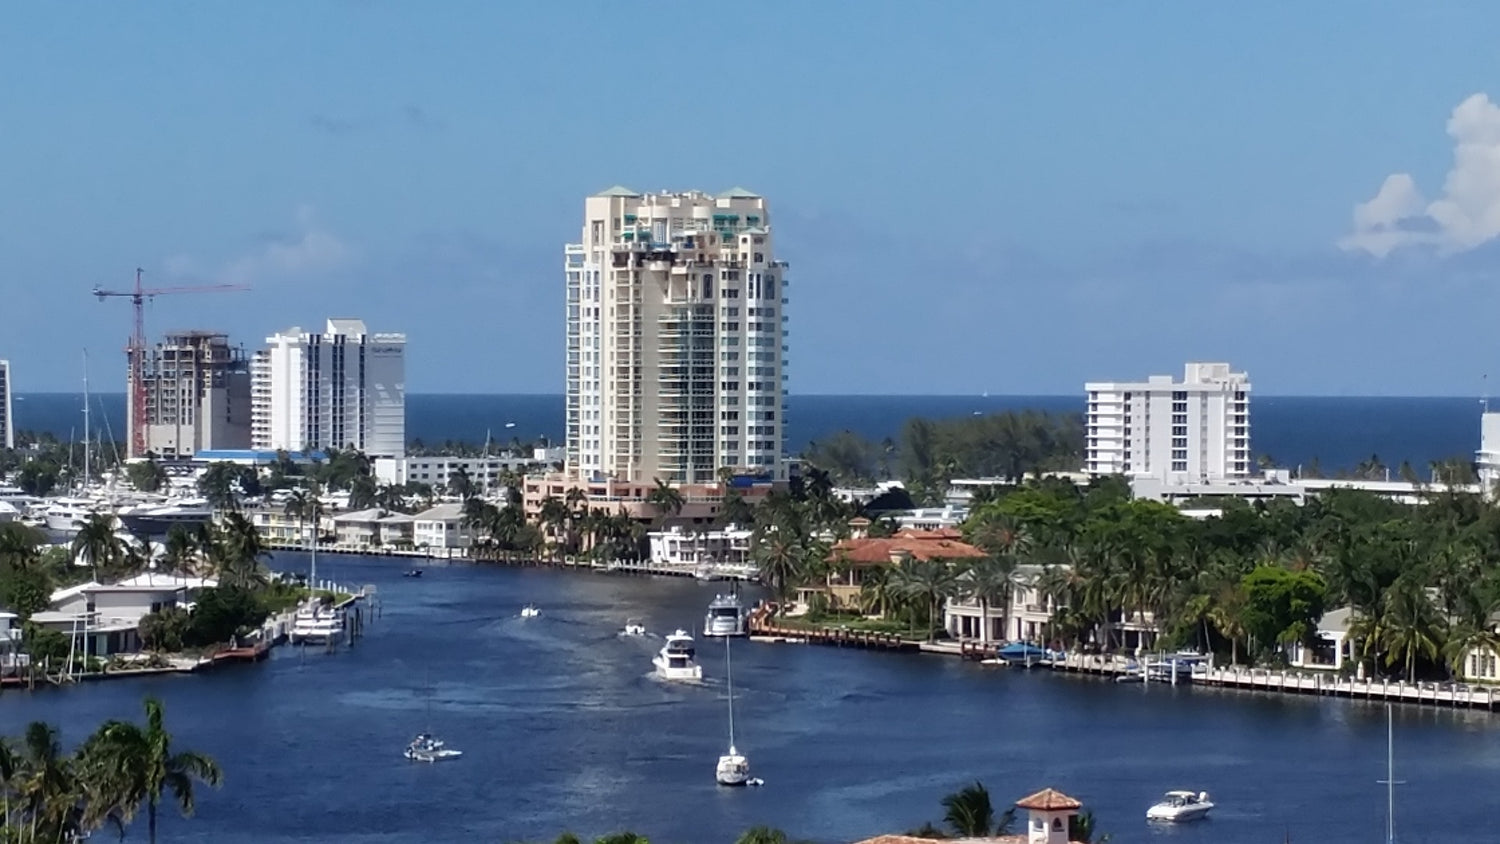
197	395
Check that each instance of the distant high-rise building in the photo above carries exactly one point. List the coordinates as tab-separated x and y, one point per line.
1180	432
344	388
197	395
675	338
7	422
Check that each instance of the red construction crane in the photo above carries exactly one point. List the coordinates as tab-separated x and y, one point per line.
135	352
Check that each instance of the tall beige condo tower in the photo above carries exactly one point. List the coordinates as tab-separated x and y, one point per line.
676	338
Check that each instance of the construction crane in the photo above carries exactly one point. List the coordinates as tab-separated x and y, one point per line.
135	351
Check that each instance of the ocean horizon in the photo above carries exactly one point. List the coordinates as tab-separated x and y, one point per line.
1337	431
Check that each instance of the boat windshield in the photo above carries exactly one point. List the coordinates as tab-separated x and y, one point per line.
725	612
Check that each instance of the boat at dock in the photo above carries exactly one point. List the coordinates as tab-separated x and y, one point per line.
159	519
1019	653
726	617
1180	807
675	659
317	624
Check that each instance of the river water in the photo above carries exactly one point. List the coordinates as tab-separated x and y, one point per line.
563	729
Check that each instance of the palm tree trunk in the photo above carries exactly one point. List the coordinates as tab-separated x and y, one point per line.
151	822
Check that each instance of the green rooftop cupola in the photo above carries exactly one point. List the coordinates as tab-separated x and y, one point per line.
618	190
739	193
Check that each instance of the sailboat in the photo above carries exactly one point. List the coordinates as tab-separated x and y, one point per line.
733	768
427	747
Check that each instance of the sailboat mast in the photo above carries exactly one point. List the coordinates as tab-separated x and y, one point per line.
86	437
1390	778
729	677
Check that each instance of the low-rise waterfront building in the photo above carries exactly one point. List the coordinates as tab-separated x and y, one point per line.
850	560
1330	648
442	527
701	503
103	618
678	545
1025	618
486	473
373	528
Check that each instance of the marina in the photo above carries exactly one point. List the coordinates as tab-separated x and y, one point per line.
570	728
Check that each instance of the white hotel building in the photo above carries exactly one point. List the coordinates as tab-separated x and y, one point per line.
344	388
675	338
1178	432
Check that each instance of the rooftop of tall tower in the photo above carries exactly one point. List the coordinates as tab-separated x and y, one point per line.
618	190
739	193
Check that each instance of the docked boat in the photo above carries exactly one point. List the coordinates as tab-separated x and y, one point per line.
675	659
1179	667
317	625
733	767
67	515
726	617
530	611
633	627
427	748
159	519
1181	806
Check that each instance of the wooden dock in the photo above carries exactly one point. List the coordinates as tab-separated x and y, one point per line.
1454	695
763	627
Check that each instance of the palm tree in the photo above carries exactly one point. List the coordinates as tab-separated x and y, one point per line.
96	542
554	517
990	581
778	554
622	838
764	835
181	549
968	812
128	765
47	786
930	580
1083	829
1410	627
1465	638
239	550
665	499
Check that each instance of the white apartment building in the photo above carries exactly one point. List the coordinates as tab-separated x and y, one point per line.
486	473
197	395
676	338
1187	431
7	422
1487	460
344	388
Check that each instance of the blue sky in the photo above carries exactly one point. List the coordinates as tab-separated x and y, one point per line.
973	196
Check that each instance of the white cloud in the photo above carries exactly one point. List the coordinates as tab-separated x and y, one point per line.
1468	212
309	251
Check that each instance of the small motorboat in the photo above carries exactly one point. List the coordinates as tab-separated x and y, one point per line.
427	748
413	573
1180	806
530	611
633	627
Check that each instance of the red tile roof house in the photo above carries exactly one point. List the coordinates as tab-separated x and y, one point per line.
850	558
1048	813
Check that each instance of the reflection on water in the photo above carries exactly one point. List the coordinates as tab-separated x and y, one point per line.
564	726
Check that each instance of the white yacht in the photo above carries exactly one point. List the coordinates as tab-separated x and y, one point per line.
426	748
530	611
1178	806
317	624
726	617
675	659
158	519
67	515
633	627
733	767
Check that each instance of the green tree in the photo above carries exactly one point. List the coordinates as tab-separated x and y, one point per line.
969	814
129	765
1282	607
96	544
665	499
146	475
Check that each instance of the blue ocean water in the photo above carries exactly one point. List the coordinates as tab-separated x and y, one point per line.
1338	432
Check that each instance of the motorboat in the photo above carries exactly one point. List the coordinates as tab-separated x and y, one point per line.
530	611
159	519
427	748
1022	653
413	573
733	767
1180	806
1178	666
726	617
675	659
633	627
317	624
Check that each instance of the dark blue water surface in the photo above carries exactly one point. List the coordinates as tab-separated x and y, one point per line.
562	728
1338	432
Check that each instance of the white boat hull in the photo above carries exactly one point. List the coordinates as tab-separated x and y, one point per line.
685	674
733	769
1179	814
442	754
